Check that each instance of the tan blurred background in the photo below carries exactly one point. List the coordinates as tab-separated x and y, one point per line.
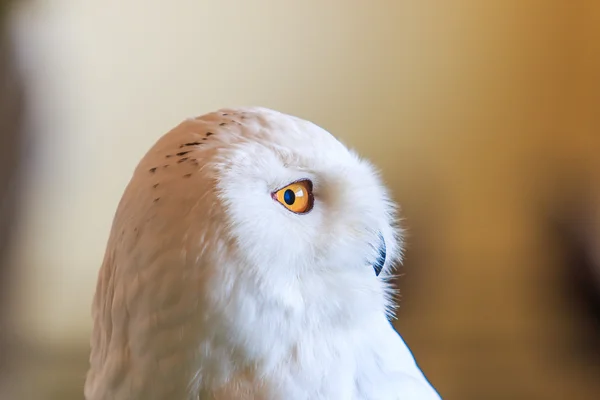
483	115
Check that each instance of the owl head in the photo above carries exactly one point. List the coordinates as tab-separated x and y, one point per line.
248	225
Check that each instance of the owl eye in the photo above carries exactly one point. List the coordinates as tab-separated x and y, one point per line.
296	197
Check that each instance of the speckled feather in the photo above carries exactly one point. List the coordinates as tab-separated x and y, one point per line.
209	289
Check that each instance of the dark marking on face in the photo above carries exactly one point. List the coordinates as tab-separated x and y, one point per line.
225	114
222	123
182	153
181	160
187	175
168	156
210	133
156	200
166	166
155	185
153	170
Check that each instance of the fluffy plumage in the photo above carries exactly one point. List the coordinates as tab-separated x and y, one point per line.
210	289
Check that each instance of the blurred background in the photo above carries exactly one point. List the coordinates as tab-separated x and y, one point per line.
484	117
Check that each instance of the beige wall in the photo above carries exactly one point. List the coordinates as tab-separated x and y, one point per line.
470	107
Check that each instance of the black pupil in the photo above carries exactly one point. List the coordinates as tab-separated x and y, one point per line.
289	197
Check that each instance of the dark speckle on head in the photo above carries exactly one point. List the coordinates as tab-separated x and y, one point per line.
181	160
190	144
182	153
166	166
222	123
208	134
156	199
187	175
225	114
155	185
153	170
169	155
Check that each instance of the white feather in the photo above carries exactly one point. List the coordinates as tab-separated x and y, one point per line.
210	289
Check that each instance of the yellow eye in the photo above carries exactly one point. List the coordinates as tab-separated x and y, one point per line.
296	197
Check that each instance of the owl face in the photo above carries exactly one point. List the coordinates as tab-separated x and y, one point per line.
297	201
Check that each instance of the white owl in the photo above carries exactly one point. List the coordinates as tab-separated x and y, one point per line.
248	259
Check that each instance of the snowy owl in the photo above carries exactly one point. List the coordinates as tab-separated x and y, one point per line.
249	258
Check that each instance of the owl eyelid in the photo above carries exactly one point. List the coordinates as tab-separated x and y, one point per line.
310	185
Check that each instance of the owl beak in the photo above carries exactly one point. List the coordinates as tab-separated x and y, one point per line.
378	266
